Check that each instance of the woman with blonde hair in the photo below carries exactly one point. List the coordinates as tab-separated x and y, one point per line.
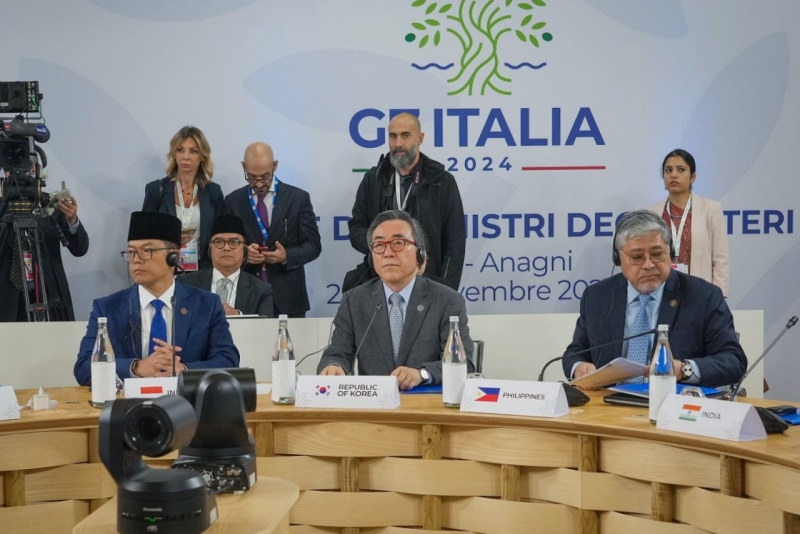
699	235
188	193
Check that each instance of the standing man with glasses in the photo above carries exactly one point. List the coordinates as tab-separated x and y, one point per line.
648	293
398	323
241	293
280	229
140	318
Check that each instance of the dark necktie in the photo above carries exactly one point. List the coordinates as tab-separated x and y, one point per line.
158	328
262	214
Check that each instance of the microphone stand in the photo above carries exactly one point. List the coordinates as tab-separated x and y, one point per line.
736	388
172	302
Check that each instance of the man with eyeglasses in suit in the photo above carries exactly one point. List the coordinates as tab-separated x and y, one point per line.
241	293
140	318
280	229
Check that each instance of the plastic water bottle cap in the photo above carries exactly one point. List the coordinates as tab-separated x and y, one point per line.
102	320
283	317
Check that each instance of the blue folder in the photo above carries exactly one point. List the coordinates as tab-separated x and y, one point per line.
422	390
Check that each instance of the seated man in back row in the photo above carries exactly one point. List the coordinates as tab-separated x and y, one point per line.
140	317
407	339
648	293
241	293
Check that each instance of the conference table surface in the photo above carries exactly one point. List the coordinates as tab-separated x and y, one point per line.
601	468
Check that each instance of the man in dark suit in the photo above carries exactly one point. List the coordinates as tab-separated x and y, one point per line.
241	293
648	293
280	228
140	317
407	339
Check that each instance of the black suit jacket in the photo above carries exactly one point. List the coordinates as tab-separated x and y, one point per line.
159	196
253	296
700	327
294	224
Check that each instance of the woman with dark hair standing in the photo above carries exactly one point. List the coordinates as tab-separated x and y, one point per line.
697	224
188	193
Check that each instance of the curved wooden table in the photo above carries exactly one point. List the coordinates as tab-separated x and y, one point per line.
600	469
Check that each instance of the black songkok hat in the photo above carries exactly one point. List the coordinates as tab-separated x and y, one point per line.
150	225
227	224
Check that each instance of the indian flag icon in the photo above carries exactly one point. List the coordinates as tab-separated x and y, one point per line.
689	412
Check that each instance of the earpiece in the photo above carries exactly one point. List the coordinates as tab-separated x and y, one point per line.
173	258
421	256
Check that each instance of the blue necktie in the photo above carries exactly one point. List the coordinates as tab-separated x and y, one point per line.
158	328
639	348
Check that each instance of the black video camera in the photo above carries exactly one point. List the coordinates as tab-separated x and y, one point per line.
169	500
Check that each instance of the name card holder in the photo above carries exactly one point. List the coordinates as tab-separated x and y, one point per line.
732	421
147	388
9	408
515	397
370	392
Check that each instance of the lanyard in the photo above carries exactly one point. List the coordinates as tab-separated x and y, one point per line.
408	193
264	231
676	234
186	214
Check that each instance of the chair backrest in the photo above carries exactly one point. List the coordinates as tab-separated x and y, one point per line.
477	355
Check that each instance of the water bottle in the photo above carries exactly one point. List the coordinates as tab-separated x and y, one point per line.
284	374
454	367
662	373
104	367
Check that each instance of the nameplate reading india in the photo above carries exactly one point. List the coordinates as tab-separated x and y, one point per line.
373	392
733	421
515	397
146	388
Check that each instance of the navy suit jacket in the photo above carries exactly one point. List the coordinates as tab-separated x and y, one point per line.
294	224
159	196
202	332
700	327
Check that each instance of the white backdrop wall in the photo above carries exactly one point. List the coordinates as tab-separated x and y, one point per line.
613	85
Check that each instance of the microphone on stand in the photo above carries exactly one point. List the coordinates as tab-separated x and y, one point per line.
582	351
737	387
172	302
369	325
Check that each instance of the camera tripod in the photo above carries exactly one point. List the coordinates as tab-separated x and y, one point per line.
22	239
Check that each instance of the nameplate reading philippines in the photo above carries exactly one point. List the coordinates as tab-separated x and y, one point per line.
515	397
372	392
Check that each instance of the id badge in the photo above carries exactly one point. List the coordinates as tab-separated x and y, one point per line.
681	268
189	259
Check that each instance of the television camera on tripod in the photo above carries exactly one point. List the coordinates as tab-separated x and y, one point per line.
33	285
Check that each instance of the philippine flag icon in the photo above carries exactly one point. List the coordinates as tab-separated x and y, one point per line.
488	394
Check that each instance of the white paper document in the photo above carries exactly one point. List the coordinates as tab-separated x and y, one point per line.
617	370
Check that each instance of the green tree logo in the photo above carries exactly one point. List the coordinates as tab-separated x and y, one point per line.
478	25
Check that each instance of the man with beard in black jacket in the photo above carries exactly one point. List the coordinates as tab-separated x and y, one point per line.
410	181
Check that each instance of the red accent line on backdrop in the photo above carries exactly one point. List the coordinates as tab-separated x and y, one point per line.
568	168
150	390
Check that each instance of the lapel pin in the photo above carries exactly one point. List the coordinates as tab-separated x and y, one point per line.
673	303
420	307
184	311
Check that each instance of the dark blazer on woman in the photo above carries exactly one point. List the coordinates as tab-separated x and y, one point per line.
159	196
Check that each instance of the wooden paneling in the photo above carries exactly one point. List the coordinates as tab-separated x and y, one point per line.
78	481
365	509
493	516
430	477
305	471
775	486
726	515
554	485
342	439
603	491
49	518
33	450
511	446
614	523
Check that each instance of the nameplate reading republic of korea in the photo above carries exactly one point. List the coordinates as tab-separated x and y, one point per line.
146	388
515	397
373	392
733	421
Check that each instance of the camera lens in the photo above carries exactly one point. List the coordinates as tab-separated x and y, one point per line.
14	154
148	430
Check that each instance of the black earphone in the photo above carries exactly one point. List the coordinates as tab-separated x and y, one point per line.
615	257
173	258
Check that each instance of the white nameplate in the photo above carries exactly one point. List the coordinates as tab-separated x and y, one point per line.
9	408
733	421
146	388
373	392
515	397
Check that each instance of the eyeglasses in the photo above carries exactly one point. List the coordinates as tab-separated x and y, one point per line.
379	247
253	179
657	256
144	254
233	243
